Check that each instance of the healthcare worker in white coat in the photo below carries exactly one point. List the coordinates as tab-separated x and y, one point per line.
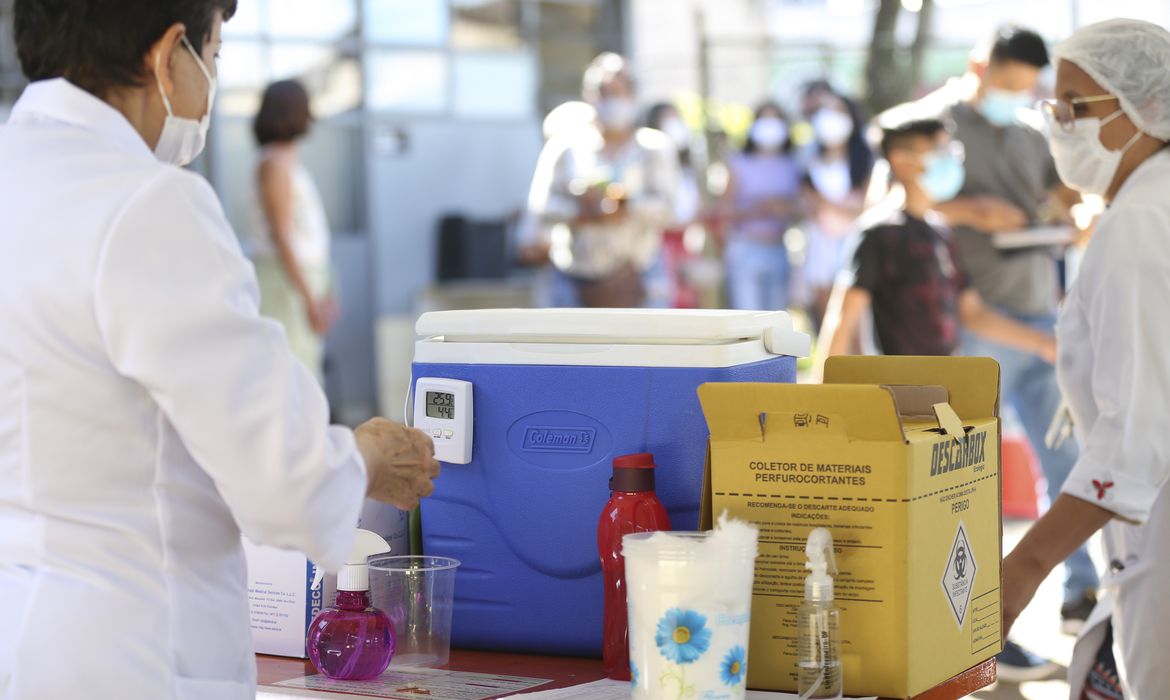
148	415
1110	125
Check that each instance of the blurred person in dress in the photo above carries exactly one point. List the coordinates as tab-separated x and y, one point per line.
290	237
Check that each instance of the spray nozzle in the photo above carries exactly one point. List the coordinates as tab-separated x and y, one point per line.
821	562
355	575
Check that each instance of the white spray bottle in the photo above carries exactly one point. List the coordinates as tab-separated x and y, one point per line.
819	624
353	640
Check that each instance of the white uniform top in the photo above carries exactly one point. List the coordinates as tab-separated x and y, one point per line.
309	234
148	416
1114	369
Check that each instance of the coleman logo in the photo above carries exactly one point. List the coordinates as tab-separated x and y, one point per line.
559	440
952	456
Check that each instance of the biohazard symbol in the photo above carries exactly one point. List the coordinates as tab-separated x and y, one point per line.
961	563
1102	488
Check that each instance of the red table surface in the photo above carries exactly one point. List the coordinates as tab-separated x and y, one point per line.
567	672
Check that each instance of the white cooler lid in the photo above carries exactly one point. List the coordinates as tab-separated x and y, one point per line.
640	327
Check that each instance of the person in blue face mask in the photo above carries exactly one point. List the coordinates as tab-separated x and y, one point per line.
906	269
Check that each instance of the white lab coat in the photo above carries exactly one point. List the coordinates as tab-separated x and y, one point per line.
148	415
1114	368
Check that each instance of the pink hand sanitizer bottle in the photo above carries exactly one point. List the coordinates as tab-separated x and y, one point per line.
353	640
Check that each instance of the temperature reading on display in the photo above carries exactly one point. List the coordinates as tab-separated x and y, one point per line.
440	405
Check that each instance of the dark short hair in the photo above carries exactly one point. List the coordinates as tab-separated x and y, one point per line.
897	134
284	113
100	45
1020	45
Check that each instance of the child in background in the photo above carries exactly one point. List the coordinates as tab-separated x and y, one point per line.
906	269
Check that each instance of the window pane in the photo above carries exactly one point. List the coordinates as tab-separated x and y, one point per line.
407	81
486	24
495	85
409	22
300	61
312	19
242	64
247	20
243	73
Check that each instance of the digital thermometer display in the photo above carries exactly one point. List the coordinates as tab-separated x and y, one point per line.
440	405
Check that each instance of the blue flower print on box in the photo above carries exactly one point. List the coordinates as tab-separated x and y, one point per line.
682	635
633	674
734	667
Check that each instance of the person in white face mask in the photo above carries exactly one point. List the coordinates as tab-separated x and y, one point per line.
149	416
605	190
836	183
761	202
1109	130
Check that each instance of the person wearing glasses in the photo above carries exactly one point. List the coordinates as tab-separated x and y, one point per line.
1011	186
1110	126
906	269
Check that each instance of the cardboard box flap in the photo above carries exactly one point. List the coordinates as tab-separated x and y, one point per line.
742	411
918	402
972	382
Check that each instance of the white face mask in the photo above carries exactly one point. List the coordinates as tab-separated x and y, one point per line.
617	113
769	133
182	140
1082	161
677	131
832	128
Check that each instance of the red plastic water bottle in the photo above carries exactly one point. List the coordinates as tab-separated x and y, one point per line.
632	507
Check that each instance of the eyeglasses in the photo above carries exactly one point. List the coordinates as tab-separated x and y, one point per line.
1064	112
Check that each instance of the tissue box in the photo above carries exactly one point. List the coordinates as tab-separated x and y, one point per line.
280	594
899	458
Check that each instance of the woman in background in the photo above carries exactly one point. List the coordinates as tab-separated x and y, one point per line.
838	177
290	242
759	205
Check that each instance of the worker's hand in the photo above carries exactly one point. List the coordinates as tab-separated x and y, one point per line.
1020	582
995	215
400	462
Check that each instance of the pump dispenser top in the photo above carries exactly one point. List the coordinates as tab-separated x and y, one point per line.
355	575
818	585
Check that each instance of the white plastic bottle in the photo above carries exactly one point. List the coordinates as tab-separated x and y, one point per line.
819	624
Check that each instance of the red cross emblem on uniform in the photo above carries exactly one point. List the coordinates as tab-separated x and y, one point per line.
1102	488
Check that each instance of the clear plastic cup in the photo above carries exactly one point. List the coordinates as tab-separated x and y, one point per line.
418	594
690	601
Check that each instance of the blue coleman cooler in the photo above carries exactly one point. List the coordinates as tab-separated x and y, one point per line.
527	409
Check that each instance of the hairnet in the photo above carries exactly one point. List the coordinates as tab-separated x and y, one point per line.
1131	60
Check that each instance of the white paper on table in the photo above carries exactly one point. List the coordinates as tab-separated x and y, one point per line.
412	683
620	690
1039	236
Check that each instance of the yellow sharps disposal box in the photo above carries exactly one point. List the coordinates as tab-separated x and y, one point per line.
899	458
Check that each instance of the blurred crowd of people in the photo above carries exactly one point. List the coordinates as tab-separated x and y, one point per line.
938	227
634	207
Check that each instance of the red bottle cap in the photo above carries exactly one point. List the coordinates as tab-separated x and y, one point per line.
641	460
